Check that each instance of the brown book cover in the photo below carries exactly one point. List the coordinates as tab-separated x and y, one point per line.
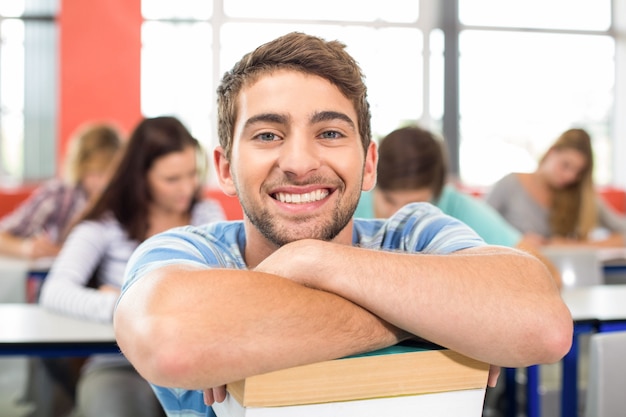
400	370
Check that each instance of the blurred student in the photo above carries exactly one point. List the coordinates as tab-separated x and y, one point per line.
35	228
558	201
412	168
155	187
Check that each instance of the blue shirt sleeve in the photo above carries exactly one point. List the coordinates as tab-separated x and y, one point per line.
480	216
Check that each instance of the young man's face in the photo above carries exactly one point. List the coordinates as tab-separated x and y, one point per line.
297	160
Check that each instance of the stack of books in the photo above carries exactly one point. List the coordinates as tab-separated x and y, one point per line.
406	379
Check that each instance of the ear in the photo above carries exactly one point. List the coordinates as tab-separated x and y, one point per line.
369	168
224	176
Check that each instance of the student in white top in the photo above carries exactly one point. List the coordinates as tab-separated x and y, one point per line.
156	186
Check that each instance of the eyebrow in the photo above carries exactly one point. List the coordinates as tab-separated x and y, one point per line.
331	115
267	117
284	119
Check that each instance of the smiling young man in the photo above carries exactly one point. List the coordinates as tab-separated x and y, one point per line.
298	280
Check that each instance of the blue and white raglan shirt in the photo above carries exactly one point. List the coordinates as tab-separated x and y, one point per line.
418	227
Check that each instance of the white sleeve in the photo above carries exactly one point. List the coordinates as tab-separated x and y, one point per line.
65	287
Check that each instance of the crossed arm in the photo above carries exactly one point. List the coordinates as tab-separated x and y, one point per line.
312	301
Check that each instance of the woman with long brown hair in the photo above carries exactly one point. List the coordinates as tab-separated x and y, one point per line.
155	187
558	200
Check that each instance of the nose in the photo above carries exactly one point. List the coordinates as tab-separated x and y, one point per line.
569	176
299	155
189	186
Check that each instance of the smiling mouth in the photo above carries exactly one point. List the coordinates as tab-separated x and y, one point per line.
301	198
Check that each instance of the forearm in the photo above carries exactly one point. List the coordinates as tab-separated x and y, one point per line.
494	304
612	241
78	301
67	286
203	328
13	245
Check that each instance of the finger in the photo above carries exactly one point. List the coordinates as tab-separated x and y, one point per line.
208	396
494	373
219	393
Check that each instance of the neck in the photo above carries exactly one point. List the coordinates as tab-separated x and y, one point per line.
539	179
162	220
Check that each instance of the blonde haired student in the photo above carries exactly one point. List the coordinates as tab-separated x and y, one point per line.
558	201
35	229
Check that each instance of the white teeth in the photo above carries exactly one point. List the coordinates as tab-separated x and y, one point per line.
301	198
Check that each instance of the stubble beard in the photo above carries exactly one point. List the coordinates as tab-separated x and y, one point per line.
280	235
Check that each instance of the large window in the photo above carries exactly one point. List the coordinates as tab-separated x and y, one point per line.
28	90
185	52
527	72
515	73
523	71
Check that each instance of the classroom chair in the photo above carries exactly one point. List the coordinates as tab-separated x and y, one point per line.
607	375
579	267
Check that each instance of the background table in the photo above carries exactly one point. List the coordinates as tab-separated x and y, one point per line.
20	278
30	329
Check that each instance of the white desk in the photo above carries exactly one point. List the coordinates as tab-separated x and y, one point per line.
14	278
602	303
611	254
29	329
614	264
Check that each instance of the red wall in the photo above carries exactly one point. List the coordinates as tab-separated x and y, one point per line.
99	47
99	71
10	199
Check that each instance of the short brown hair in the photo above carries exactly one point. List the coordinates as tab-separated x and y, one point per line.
299	52
411	158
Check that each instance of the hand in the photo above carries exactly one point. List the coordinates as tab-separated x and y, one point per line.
215	394
563	241
494	373
297	261
40	247
110	288
533	240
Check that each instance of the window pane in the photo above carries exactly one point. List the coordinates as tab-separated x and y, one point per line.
40	7
13	8
394	79
11	99
550	14
355	10
180	9
436	74
519	91
176	68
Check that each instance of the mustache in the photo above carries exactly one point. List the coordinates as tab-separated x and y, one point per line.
313	180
